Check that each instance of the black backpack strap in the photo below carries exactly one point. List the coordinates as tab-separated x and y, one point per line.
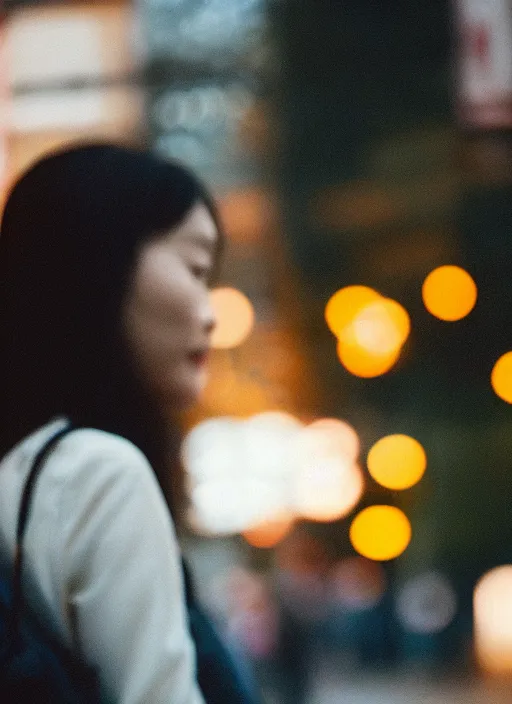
23	515
221	679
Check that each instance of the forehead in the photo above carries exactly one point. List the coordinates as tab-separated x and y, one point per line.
198	227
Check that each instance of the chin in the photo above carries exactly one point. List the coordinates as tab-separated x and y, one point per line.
186	400
180	392
182	398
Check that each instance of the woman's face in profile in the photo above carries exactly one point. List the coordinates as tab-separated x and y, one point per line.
168	319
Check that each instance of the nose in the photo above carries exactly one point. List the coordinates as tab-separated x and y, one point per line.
209	318
209	325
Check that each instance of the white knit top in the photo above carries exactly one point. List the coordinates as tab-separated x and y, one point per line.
102	563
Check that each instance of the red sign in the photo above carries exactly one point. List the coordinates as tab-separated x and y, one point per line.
484	63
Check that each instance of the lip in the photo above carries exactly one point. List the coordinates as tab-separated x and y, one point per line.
200	357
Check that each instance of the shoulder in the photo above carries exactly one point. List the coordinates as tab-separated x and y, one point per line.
109	495
90	444
84	455
88	454
91	472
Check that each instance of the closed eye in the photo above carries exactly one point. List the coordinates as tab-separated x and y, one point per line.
200	272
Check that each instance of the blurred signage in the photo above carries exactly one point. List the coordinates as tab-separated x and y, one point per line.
199	123
484	63
217	32
201	66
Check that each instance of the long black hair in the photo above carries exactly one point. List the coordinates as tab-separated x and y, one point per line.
70	235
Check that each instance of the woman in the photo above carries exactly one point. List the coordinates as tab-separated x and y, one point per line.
105	260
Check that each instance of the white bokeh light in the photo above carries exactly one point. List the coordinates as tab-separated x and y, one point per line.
493	620
249	473
268	443
213	449
327	489
328	437
226	506
426	603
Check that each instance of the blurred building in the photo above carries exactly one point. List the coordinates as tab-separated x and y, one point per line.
69	72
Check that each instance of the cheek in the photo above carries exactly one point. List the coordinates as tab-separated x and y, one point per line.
174	309
159	322
161	314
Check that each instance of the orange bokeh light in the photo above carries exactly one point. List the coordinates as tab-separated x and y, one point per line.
449	293
345	304
270	532
397	462
382	327
247	214
234	316
360	362
371	330
501	377
380	533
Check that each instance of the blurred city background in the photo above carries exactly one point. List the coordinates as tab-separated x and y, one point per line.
349	472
